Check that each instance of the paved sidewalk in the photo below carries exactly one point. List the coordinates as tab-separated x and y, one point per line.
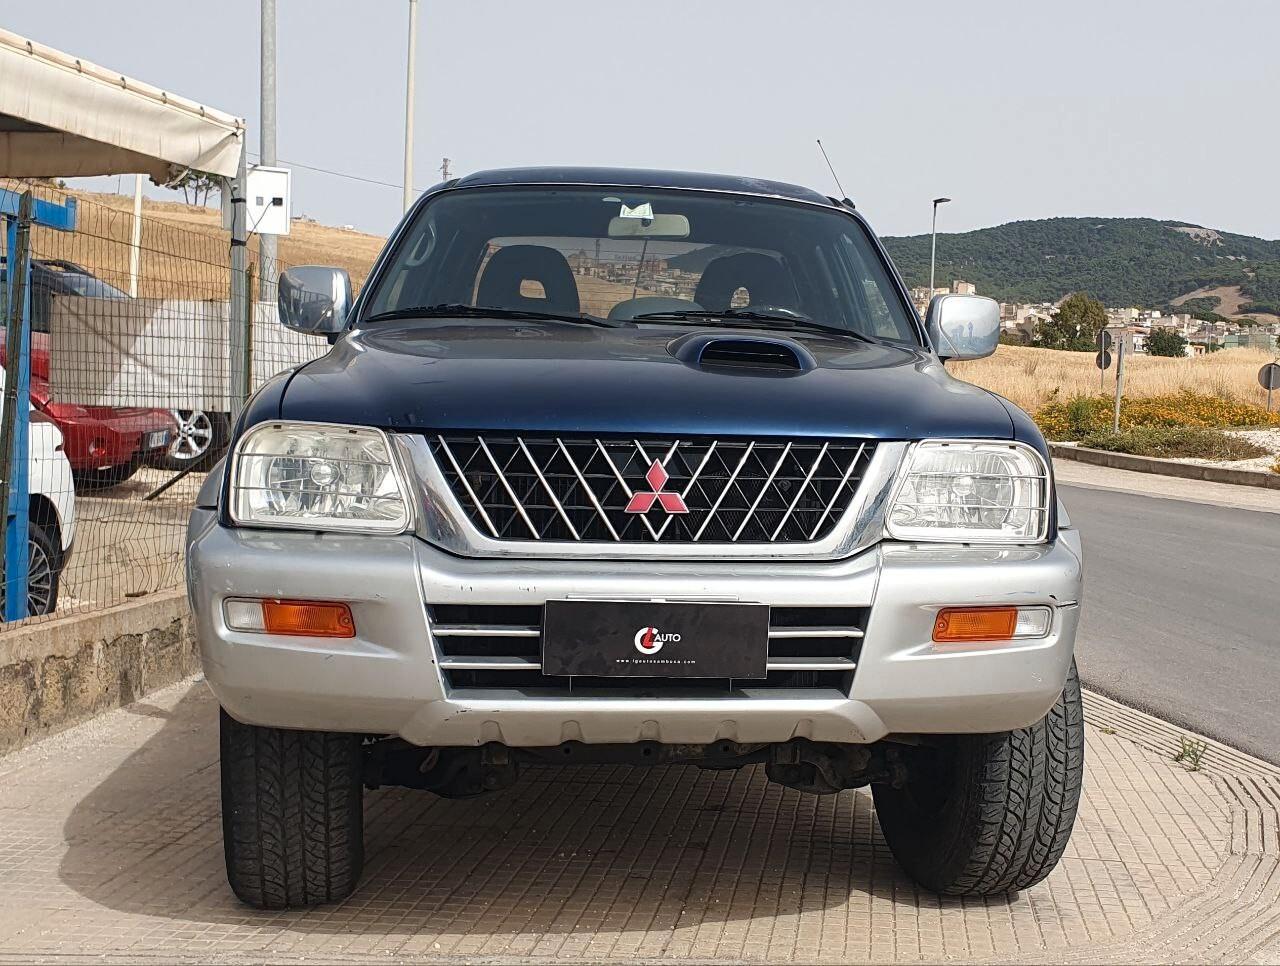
110	851
1167	487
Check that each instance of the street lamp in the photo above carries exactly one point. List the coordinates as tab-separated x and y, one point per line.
408	105
933	253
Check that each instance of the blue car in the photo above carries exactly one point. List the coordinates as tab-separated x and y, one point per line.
637	467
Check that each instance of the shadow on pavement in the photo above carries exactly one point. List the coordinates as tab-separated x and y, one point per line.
587	848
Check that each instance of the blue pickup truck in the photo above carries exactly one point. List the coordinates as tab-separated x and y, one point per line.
637	467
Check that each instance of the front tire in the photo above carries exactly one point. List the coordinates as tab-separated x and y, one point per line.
987	815
292	814
44	566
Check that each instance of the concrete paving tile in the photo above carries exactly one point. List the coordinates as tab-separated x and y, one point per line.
119	858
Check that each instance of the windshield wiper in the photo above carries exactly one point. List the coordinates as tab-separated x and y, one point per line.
458	310
749	319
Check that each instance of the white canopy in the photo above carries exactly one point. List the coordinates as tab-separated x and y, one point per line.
64	117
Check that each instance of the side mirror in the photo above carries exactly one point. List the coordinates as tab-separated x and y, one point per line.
963	326
315	299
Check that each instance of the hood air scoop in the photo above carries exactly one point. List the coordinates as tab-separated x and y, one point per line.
742	352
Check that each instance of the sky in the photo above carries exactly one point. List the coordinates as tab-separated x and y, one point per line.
1143	108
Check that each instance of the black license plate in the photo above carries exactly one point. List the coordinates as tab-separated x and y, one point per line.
667	639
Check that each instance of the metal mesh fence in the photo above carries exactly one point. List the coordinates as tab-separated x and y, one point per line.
130	392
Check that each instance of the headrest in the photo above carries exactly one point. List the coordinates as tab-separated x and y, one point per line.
508	268
763	277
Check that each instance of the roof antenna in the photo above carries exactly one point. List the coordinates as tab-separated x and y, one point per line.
830	168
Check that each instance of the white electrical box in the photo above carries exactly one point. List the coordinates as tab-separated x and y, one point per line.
268	204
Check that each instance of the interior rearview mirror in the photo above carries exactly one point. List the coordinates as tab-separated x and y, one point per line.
315	299
963	326
658	226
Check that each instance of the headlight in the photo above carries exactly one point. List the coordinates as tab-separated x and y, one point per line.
972	492
312	476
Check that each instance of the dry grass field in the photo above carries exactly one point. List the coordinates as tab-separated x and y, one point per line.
184	248
1230	302
1032	377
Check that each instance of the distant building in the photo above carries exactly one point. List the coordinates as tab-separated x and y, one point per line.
922	295
1248	339
1179	321
959	287
1135	339
1020	319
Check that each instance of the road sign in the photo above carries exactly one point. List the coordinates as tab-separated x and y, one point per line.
1104	342
1269	378
1103	360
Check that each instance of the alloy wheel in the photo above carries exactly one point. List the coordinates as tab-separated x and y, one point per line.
39	579
39	582
195	435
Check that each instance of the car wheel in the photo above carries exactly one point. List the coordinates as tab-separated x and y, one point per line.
42	573
292	814
200	441
990	814
89	480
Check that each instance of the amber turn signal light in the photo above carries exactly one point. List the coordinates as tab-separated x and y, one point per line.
307	618
298	618
958	625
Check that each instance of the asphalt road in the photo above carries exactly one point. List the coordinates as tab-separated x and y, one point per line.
1182	612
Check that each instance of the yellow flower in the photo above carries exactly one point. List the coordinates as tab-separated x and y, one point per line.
1082	415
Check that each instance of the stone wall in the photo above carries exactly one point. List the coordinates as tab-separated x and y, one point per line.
61	672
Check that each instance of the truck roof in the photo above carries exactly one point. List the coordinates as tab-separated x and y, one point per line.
642	178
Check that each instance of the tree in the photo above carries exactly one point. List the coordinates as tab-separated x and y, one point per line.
196	183
1074	326
1166	342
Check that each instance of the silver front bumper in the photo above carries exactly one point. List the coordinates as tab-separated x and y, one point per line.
389	679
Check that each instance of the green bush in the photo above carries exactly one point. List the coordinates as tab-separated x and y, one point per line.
1175	442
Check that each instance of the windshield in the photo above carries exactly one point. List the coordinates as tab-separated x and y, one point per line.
624	254
74	283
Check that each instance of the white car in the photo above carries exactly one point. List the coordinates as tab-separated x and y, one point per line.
52	519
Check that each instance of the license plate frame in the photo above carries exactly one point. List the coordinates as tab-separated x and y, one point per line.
156	439
655	638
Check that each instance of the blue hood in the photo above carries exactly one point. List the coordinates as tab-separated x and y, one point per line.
575	378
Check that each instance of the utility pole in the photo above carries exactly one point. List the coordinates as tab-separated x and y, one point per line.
1115	416
268	269
933	251
238	316
444	170
408	105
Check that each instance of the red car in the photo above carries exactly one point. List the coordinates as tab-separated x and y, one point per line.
104	444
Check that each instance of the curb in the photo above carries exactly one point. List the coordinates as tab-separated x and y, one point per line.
1235	917
1149	464
1165	739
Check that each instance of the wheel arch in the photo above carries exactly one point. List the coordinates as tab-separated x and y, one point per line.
44	513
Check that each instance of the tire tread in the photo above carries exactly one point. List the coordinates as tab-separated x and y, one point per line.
292	814
1012	806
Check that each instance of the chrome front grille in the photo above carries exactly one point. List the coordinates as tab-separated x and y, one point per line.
709	491
500	646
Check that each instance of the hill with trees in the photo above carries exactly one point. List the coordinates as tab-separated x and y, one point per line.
1122	261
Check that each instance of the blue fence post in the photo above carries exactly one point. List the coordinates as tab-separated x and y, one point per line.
16	552
61	217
